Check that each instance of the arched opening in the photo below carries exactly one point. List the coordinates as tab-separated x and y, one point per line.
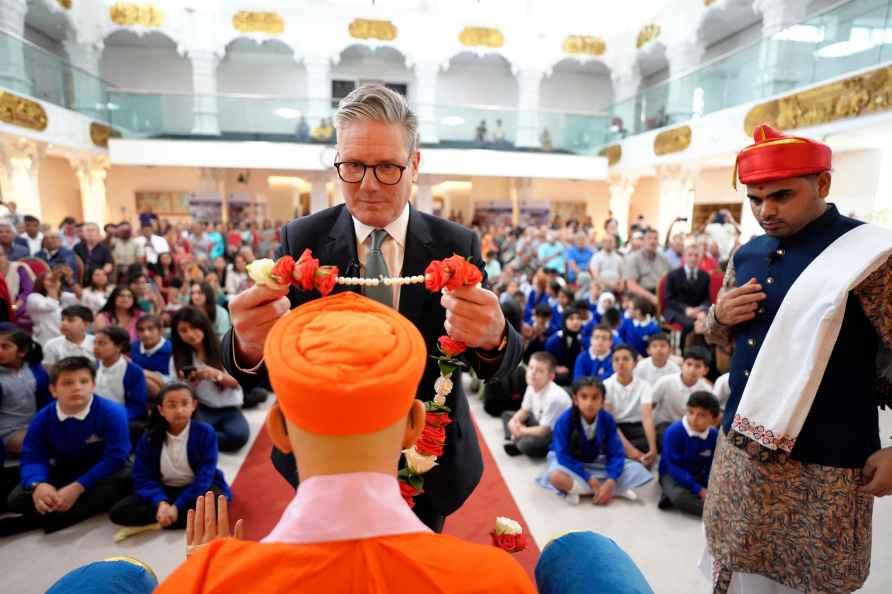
361	64
44	64
487	89
574	100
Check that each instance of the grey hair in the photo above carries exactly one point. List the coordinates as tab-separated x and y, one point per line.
377	103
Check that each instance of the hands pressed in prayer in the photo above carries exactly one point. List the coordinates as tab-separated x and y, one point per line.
739	304
167	514
208	521
474	317
878	474
605	493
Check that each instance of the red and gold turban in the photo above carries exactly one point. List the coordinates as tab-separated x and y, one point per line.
344	365
776	156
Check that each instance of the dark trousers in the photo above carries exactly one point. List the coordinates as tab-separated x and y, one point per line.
634	432
661	433
99	499
287	467
137	428
133	510
532	446
681	497
229	423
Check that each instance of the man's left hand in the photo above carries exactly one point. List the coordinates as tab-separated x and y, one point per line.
878	474
68	496
474	317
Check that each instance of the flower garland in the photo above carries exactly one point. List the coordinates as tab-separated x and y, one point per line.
449	274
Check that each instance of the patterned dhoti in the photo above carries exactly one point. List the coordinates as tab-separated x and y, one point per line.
805	526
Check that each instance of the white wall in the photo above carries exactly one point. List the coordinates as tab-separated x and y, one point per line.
259	73
576	91
856	176
384	68
148	69
477	85
742	38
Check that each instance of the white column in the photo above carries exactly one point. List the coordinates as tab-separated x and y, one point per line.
426	74
528	84
621	189
89	98
205	113
19	169
676	196
424	194
778	59
91	171
318	89
319	192
626	78
13	75
684	56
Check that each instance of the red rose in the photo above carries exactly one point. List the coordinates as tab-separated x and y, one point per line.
431	441
512	543
435	276
451	348
326	278
409	492
305	269
437	419
472	274
456	266
282	270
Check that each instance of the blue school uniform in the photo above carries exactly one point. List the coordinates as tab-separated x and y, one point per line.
636	334
85	451
159	359
202	452
588	366
533	299
687	459
133	391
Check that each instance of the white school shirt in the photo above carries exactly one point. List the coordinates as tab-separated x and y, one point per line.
722	389
670	396
627	400
393	248
546	406
175	469
152	247
60	347
110	380
650	373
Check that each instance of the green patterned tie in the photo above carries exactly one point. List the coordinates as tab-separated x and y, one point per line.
375	266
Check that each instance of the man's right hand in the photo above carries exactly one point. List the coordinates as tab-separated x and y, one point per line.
253	314
739	304
45	498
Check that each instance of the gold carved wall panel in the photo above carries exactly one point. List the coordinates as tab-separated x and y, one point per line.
647	34
481	37
147	15
100	133
585	45
19	111
247	21
672	141
370	29
614	153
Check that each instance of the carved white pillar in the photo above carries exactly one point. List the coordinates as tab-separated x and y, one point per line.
89	98
205	111
424	194
426	75
676	196
684	56
528	84
19	169
621	189
778	59
626	80
318	89
13	75
319	192
91	172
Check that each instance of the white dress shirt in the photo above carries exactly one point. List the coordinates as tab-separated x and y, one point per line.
546	406
34	245
650	373
152	247
80	415
393	248
110	380
627	400
175	469
670	396
60	347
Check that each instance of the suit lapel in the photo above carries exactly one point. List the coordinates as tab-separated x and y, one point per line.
416	258
340	248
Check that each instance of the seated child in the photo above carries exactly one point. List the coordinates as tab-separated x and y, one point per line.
605	302
565	346
539	332
175	463
506	393
722	389
630	401
596	360
120	380
565	298
688	449
75	452
528	431
587	456
658	365
671	393
74	342
24	387
637	329
153	353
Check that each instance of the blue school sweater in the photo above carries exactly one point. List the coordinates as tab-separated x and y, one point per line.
84	451
606	442
687	459
585	336
136	392
159	361
586	366
533	299
636	335
201	450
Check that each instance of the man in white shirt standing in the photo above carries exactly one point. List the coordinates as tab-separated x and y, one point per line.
606	266
528	431
151	245
671	393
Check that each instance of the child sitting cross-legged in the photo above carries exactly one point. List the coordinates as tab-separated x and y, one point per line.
658	365
630	401
595	361
587	456
528	431
74	341
121	380
24	387
175	463
154	354
688	449
671	393
75	452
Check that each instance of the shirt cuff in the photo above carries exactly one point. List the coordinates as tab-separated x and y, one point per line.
250	370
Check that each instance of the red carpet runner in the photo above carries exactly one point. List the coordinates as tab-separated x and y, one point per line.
260	495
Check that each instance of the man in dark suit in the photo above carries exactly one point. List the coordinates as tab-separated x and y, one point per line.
687	291
377	232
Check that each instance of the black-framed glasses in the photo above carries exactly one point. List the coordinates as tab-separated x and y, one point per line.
353	172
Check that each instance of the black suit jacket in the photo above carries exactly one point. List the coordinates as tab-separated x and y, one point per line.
331	236
681	294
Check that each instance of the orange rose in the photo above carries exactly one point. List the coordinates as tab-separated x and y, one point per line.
304	273
472	274
435	276
451	348
326	278
456	266
282	270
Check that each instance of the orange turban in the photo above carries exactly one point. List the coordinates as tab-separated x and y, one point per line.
344	365
776	156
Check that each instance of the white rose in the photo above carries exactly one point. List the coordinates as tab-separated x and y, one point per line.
260	272
443	386
440	400
507	526
417	463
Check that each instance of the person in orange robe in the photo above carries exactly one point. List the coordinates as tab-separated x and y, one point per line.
345	370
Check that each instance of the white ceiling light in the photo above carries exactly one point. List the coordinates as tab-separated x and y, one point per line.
288	113
452	121
801	33
860	39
